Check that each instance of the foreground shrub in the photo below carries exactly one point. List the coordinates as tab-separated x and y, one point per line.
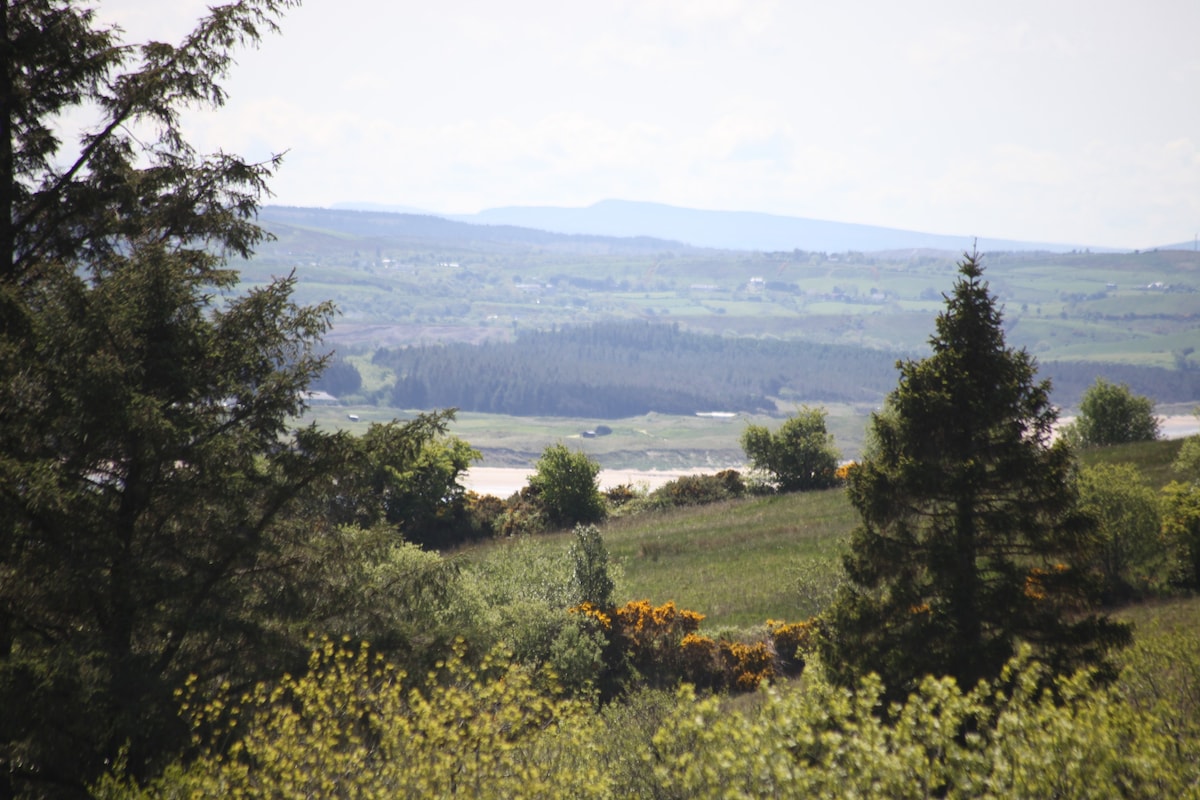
1002	740
353	726
659	647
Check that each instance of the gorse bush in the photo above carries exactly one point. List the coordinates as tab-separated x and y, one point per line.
793	641
660	646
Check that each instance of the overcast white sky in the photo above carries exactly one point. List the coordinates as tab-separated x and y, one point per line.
1049	120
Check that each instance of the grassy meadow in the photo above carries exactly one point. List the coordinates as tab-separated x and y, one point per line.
741	562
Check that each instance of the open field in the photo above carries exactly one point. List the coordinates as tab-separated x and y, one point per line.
745	561
739	563
656	444
646	443
1133	308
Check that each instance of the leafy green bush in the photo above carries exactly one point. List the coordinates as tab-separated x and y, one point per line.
799	456
1181	531
1111	413
520	569
411	603
1007	739
1187	461
815	582
1127	550
1160	674
522	593
589	556
353	726
567	484
695	490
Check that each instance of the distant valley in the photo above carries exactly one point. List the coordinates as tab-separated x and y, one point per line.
409	284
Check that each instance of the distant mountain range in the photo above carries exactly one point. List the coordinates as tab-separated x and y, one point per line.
726	230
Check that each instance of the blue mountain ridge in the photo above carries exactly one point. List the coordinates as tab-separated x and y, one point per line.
727	230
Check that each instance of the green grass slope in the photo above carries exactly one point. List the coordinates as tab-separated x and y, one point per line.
745	561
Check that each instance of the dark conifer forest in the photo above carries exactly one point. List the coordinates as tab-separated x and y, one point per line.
611	370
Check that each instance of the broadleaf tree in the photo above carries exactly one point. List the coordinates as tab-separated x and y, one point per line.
799	456
147	461
1110	413
568	485
971	540
1128	546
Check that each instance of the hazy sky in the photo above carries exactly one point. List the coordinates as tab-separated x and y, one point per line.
1053	120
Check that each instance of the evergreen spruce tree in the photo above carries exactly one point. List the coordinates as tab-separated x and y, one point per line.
970	539
147	465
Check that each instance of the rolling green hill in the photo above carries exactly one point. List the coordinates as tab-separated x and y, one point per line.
405	281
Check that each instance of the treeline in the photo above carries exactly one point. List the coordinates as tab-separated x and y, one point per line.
622	369
611	370
1072	378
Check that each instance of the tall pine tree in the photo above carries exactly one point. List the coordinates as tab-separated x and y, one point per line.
970	539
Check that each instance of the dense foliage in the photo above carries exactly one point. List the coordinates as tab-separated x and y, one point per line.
611	370
339	378
1112	414
1126	550
971	541
567	486
355	727
624	369
1181	529
799	456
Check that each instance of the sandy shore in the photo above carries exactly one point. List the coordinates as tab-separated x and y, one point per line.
503	481
1180	426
